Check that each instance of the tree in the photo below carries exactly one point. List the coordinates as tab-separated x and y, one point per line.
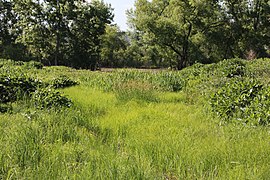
36	33
8	33
86	32
174	23
63	32
114	45
246	27
204	31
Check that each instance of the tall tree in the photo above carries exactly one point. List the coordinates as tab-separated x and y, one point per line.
8	32
86	32
36	34
64	32
174	23
114	45
247	27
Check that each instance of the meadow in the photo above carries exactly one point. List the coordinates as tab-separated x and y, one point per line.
203	122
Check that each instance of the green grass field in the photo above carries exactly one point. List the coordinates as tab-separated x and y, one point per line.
127	124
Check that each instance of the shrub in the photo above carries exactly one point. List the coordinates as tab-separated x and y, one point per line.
258	112
62	82
48	98
232	68
244	100
34	65
14	87
5	108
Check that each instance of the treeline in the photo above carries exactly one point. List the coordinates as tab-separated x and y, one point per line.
178	33
55	32
162	33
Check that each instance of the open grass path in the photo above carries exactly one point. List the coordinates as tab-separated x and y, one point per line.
171	139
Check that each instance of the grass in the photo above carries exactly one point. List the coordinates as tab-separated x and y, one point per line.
131	130
171	139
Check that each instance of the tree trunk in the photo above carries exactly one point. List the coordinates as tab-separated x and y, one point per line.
57	34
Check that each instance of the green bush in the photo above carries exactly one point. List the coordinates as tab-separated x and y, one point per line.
49	98
258	112
232	68
34	65
244	100
62	82
5	108
13	87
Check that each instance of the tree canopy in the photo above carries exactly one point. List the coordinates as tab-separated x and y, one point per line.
62	32
163	33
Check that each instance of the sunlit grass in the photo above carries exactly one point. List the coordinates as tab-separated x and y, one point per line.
171	139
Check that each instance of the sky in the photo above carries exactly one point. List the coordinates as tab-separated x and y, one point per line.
120	7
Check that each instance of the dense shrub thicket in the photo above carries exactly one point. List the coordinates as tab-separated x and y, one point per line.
242	96
16	83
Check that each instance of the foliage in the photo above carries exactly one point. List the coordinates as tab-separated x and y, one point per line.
244	100
61	32
161	81
86	32
5	108
9	49
170	81
48	98
202	31
63	82
34	64
114	43
13	87
17	83
232	68
142	138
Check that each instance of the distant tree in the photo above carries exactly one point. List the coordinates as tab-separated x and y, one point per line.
63	32
8	33
203	31
174	24
114	45
86	33
246	27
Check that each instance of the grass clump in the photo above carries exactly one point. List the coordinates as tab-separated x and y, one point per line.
135	90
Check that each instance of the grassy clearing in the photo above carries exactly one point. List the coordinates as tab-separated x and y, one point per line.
121	127
171	139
